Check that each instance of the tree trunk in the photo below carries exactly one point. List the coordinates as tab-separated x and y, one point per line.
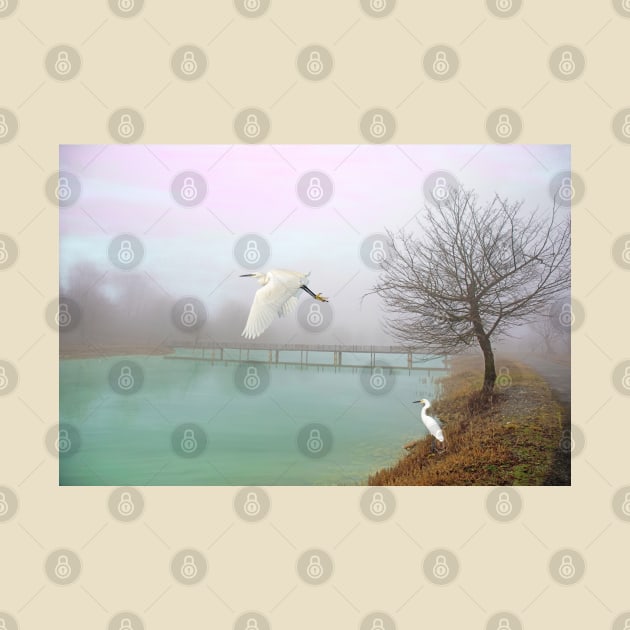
490	373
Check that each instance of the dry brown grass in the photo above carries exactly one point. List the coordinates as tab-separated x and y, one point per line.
511	439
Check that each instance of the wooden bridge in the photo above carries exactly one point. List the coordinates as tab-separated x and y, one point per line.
336	356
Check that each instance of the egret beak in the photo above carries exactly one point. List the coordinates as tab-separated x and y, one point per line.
416	401
247	275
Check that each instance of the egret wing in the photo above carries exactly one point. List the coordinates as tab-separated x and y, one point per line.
268	303
289	306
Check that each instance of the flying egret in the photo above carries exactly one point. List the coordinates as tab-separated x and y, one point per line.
432	424
276	297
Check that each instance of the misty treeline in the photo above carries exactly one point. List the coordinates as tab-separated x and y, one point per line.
131	309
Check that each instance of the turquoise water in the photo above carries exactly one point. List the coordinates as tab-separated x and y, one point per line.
244	438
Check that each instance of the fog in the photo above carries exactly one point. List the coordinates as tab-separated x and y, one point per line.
188	252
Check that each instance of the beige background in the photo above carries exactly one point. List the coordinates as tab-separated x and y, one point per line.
378	63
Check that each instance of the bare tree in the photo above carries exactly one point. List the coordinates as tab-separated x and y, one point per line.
471	272
552	339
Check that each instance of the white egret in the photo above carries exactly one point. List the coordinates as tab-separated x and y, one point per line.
432	424
276	297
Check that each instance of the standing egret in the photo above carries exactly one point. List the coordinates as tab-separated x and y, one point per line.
432	424
276	297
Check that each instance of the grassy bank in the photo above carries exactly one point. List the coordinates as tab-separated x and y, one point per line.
513	440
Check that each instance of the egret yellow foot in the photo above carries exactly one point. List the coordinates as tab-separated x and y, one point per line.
321	298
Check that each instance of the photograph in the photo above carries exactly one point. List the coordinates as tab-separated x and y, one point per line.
293	315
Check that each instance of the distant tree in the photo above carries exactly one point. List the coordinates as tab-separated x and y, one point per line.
470	272
552	339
